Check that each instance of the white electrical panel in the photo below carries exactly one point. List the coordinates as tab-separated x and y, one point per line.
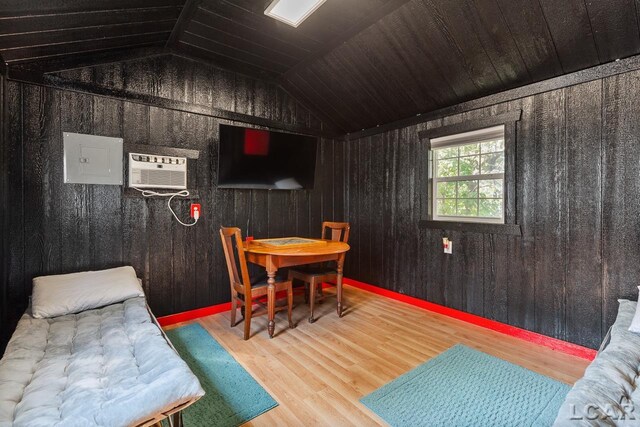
152	171
91	159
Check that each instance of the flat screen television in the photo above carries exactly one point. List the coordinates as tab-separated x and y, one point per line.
261	159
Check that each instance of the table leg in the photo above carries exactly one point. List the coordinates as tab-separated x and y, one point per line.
339	284
312	299
271	300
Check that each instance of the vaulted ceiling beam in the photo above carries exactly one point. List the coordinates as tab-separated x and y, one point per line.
189	9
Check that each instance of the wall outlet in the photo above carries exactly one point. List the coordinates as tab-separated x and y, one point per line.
447	245
195	210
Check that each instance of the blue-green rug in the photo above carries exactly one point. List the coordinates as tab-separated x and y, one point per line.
232	396
465	387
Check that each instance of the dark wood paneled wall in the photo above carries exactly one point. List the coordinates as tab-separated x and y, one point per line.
3	211
577	189
56	228
195	82
578	202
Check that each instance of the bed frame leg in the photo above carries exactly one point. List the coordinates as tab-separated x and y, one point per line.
176	419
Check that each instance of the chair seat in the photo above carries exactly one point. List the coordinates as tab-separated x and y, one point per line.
311	270
262	280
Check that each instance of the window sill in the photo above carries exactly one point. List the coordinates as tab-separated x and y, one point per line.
474	227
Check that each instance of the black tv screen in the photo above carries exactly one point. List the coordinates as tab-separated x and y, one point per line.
253	158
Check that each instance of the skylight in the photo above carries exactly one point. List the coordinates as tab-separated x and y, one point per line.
292	12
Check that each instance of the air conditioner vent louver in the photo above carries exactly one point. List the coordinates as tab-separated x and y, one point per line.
150	171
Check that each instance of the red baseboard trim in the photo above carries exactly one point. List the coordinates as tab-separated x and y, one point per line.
186	316
543	340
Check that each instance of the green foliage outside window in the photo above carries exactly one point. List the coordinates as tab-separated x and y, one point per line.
480	196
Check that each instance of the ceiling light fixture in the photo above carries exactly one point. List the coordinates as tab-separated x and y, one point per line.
292	12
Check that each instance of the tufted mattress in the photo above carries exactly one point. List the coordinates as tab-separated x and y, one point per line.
106	367
608	394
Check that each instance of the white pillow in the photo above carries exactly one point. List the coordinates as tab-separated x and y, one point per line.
72	293
635	323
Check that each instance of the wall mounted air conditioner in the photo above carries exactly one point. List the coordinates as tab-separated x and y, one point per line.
152	171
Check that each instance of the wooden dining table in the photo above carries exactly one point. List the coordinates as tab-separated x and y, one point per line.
273	254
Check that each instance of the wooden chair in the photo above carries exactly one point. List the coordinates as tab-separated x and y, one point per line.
244	290
314	275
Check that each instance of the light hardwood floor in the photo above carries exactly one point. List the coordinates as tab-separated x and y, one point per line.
318	372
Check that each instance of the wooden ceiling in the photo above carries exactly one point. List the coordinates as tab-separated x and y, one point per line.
430	54
238	34
33	30
360	63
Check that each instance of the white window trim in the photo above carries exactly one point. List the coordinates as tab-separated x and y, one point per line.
465	138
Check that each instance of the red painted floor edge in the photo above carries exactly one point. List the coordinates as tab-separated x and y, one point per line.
186	316
553	343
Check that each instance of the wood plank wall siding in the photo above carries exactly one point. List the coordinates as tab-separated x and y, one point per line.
56	228
3	211
577	201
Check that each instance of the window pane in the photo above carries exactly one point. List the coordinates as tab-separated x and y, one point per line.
470	149
493	146
467	207
447	168
466	196
469	165
447	153
446	190
446	207
492	163
468	189
491	189
491	208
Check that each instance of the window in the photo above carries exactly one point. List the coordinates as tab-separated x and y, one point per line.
468	182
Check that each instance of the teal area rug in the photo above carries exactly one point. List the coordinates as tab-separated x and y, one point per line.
465	387
232	396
